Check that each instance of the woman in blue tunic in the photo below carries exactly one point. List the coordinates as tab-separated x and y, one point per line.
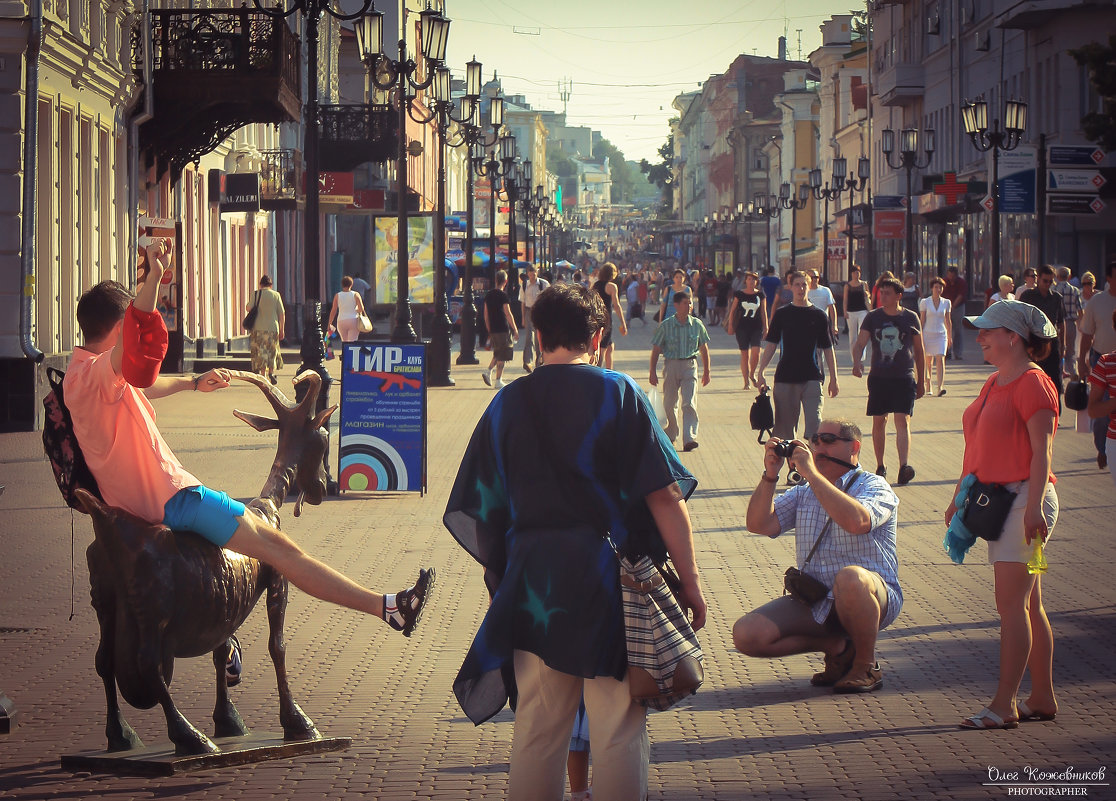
539	487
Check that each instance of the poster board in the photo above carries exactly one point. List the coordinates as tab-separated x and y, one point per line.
382	442
420	267
168	303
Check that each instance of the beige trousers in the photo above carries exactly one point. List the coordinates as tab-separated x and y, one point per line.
544	718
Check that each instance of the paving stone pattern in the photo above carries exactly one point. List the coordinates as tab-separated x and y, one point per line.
755	730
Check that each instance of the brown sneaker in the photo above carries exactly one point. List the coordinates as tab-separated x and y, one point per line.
861	681
835	667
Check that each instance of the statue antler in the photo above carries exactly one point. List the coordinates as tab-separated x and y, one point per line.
310	399
277	399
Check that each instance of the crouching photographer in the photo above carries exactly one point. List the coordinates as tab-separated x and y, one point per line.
844	588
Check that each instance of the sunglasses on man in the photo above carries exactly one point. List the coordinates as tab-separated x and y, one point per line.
828	439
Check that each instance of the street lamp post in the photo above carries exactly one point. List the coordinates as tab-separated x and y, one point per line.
494	168
852	186
793	205
438	368
472	137
830	191
975	119
767	206
434	29
312	11
908	160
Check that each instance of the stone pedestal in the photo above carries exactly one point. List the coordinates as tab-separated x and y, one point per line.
160	760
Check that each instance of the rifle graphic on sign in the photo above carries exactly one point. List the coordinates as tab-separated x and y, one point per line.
391	379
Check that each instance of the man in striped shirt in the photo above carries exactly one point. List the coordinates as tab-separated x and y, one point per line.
681	338
1073	305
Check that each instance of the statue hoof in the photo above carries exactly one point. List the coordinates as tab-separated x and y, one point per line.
232	725
193	743
121	736
298	726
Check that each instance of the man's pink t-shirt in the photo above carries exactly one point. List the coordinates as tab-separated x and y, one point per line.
115	426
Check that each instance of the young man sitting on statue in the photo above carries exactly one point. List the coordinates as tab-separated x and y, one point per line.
109	384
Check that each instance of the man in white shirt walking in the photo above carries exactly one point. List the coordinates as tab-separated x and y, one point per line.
531	289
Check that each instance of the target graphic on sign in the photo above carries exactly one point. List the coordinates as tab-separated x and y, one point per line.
369	464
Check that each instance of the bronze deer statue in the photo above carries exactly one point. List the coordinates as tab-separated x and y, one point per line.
161	596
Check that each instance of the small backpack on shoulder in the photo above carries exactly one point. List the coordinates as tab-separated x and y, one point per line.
61	445
762	416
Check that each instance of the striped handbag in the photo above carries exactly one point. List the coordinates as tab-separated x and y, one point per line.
665	662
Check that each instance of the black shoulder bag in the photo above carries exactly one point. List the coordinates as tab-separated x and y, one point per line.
250	317
987	505
802	586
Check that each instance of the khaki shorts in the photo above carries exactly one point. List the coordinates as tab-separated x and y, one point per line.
502	346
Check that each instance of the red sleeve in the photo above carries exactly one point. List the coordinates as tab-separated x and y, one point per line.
145	346
1036	392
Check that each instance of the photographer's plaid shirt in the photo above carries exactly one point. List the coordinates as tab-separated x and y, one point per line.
799	509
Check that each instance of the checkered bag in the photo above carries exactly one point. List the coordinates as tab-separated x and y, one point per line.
665	662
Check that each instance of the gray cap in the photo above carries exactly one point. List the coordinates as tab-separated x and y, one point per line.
1015	315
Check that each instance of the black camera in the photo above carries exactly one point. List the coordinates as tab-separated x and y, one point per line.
785	448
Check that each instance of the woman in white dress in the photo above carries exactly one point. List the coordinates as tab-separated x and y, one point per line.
937	332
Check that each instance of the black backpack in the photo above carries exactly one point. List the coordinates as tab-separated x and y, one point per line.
61	445
762	416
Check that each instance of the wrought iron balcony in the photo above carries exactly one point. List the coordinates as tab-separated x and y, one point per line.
280	179
214	72
356	133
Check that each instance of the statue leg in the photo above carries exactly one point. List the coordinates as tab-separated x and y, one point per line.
227	720
121	736
296	724
187	739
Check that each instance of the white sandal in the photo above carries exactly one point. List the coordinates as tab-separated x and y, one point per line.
977	721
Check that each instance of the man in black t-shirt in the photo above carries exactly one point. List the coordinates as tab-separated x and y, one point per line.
502	332
802	330
898	374
1050	303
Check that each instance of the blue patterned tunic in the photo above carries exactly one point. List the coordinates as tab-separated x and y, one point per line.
553	578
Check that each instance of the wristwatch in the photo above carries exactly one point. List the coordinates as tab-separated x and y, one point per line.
765	477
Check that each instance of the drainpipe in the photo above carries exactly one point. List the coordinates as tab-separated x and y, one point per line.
138	118
30	141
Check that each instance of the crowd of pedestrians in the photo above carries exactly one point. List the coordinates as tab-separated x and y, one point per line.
542	500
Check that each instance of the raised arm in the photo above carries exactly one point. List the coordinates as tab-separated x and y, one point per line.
673	521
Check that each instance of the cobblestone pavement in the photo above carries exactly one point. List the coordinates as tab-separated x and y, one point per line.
755	730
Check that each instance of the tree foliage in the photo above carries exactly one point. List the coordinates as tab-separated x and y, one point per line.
662	173
620	171
1100	62
861	23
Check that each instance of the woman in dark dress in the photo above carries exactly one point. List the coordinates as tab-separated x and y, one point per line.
747	319
533	500
605	286
857	305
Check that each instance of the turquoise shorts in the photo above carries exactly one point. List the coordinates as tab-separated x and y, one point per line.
211	514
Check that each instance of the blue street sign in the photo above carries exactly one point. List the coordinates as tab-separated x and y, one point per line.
1075	156
889	202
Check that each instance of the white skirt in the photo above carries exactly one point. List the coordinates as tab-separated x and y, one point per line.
934	343
1012	545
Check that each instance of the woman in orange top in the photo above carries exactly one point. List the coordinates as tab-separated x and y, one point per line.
1009	433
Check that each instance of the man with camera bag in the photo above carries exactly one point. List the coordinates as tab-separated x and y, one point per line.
845	587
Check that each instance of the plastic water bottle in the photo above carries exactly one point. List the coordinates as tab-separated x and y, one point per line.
1037	564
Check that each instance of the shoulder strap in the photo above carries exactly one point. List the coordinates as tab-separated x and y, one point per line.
829	520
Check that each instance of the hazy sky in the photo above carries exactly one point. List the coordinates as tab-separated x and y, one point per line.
624	60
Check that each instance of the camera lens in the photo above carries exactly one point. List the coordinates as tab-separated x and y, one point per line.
785	448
